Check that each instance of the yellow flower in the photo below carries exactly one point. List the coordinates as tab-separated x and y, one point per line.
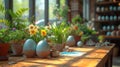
36	27
81	33
43	33
31	26
75	27
32	31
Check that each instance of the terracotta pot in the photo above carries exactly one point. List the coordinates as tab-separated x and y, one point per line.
77	38
17	48
4	51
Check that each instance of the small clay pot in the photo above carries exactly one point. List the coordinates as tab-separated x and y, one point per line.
117	33
113	33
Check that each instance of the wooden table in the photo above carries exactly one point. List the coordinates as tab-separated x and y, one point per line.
94	57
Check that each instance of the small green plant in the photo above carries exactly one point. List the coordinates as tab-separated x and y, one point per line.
77	19
86	30
4	37
101	38
17	35
62	12
59	33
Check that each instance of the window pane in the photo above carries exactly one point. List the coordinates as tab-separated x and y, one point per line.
62	2
40	9
52	5
17	4
2	14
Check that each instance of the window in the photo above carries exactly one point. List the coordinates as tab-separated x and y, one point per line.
17	4
39	10
62	2
2	14
52	5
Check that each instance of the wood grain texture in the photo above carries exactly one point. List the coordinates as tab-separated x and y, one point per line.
94	57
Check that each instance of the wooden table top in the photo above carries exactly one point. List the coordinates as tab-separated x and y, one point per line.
91	58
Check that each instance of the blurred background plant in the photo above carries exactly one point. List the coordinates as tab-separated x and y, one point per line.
101	38
77	19
61	12
17	17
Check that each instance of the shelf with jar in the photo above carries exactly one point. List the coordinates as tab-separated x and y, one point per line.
109	8
112	37
107	18
109	12
105	3
108	21
110	30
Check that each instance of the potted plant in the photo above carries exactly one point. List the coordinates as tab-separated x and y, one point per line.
4	44
38	38
88	33
4	38
59	34
75	28
17	30
29	47
17	40
76	32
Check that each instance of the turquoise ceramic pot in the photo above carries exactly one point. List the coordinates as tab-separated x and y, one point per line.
107	18
111	8
79	43
70	41
43	49
112	27
104	28
29	48
108	33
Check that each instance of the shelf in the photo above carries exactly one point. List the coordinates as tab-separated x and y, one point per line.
105	3
112	37
109	13
106	30
101	21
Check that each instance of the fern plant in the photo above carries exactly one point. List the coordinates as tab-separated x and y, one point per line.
17	18
2	17
17	27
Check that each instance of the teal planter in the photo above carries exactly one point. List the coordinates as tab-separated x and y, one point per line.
29	48
43	49
70	41
79	43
